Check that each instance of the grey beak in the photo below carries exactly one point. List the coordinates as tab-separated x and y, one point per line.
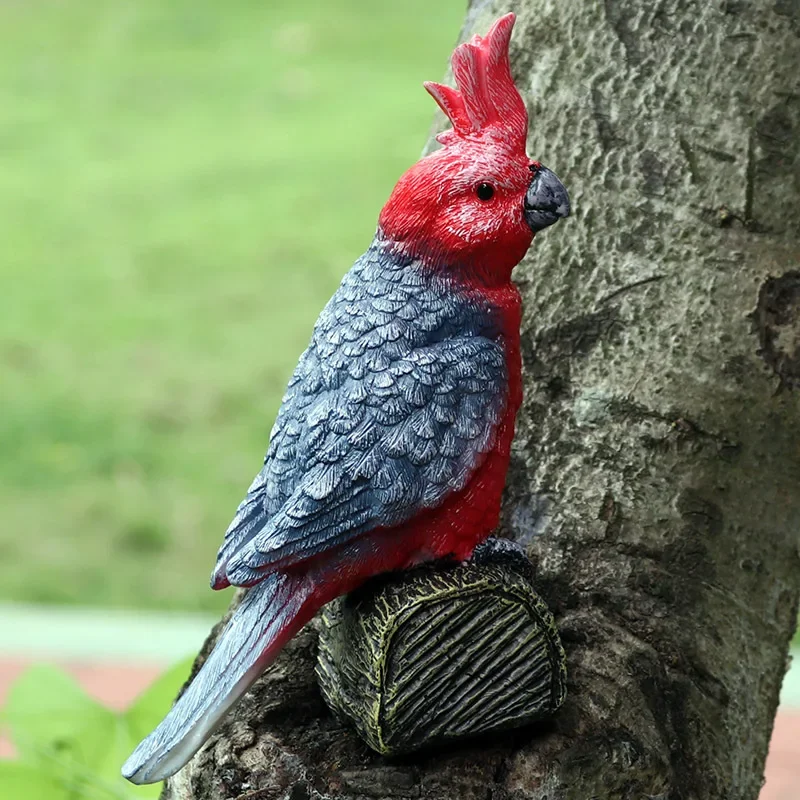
546	200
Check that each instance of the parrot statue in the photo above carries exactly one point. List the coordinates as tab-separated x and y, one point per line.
392	442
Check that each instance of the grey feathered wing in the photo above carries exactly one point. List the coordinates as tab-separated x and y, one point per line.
392	408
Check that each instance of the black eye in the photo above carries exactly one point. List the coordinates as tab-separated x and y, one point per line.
485	191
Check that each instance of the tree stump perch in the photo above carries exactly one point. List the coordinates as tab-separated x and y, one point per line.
442	652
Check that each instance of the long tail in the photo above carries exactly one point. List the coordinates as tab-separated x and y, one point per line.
271	613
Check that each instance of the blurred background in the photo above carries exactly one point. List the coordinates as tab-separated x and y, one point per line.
182	185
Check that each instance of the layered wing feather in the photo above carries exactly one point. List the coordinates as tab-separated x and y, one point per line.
392	408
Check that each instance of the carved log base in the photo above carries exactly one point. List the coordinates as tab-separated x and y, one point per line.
442	652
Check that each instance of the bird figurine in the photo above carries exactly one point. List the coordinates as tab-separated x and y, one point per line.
392	442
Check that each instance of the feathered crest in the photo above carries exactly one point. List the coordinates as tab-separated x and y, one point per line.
487	101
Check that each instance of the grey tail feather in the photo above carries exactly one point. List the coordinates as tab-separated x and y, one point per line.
270	614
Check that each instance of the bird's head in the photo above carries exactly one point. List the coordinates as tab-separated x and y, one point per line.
477	202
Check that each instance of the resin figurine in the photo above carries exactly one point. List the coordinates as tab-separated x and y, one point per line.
392	442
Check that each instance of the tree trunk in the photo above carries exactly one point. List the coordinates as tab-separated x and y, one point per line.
656	474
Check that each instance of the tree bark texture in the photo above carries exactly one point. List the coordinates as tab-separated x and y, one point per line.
656	475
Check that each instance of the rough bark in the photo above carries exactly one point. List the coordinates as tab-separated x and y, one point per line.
656	475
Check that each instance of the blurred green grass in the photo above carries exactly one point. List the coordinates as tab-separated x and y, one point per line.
182	185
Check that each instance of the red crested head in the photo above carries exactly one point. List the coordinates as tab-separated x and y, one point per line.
486	107
477	202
